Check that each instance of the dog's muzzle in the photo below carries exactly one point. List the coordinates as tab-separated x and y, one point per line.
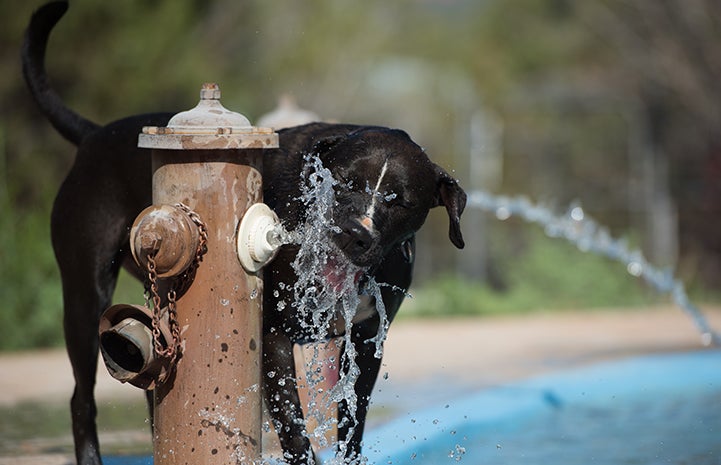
356	237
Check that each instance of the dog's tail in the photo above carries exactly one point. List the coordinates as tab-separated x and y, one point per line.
69	124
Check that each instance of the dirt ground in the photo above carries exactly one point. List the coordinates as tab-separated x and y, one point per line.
428	359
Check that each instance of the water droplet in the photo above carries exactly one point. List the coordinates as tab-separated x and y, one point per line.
457	453
706	339
635	269
577	213
503	213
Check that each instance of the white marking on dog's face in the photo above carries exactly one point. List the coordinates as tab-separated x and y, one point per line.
367	220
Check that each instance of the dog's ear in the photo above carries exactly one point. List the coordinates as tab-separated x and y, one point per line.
450	195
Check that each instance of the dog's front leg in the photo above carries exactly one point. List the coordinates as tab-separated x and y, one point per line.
281	394
350	430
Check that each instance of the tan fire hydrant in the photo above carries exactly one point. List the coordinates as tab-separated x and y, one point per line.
207	173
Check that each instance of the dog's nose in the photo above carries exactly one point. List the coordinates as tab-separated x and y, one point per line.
354	238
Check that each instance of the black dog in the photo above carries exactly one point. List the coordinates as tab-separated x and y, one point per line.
110	183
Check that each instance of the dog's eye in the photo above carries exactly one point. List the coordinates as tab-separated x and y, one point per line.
400	202
343	180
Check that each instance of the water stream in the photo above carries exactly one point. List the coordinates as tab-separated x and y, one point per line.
578	228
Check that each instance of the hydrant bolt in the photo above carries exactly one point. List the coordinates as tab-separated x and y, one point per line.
149	242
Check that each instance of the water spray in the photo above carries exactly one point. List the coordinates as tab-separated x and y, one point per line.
587	235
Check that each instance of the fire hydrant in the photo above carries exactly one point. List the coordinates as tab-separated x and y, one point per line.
203	244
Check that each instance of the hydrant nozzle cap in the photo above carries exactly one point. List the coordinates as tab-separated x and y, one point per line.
208	126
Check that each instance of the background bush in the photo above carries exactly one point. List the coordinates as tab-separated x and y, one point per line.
547	274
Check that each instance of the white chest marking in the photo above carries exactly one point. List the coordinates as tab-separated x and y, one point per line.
374	199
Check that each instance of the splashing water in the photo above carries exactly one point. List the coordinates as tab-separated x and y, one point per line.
326	294
576	227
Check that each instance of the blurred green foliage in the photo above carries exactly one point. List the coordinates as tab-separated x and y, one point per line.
582	89
29	289
545	275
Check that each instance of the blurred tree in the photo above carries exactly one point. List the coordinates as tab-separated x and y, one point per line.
615	103
667	62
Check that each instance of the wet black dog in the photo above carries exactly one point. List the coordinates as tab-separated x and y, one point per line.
110	183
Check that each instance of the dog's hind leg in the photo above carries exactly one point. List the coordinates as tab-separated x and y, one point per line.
86	292
89	266
81	327
84	299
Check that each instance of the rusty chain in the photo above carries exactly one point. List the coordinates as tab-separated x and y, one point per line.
171	350
152	294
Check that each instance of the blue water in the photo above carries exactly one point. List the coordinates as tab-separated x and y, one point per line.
661	409
649	410
128	460
678	429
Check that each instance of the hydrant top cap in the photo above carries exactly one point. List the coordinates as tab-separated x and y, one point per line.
208	126
209	113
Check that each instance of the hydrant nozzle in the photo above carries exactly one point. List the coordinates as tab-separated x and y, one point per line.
256	241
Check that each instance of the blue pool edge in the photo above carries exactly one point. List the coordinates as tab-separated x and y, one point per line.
399	440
